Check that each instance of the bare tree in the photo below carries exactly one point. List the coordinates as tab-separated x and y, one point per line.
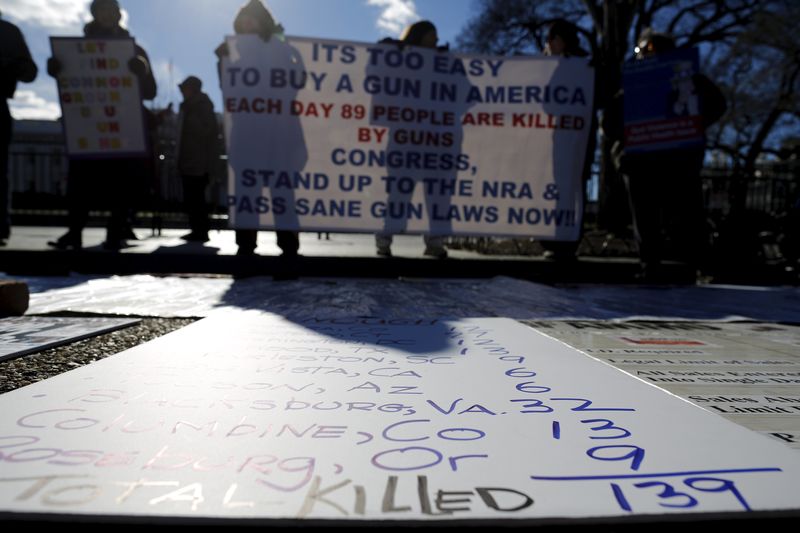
760	74
610	28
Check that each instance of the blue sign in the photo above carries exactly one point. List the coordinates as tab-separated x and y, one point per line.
662	105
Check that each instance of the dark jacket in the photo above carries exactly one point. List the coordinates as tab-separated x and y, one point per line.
147	82
197	136
15	59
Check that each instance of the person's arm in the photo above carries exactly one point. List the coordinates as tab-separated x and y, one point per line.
712	101
207	120
221	52
53	66
612	125
25	69
140	65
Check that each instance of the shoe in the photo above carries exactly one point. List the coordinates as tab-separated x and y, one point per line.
560	257
67	241
658	274
437	252
384	251
195	237
113	245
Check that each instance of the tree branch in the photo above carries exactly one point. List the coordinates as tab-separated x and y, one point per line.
595	13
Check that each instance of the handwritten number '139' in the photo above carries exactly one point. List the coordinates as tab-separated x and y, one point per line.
682	499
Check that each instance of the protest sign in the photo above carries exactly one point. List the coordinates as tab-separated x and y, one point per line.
661	105
250	415
100	98
331	135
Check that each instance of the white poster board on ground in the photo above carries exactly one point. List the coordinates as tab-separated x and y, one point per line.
748	373
250	415
100	98
23	335
340	136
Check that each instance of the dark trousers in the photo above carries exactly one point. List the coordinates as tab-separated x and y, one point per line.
288	241
105	182
666	200
5	190
194	202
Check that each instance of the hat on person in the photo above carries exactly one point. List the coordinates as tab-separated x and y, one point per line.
651	42
261	15
568	32
191	82
415	33
97	4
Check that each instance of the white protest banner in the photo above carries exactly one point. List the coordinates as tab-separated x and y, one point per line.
99	95
330	135
251	415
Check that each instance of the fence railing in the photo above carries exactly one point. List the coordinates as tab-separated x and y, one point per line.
39	180
43	172
774	190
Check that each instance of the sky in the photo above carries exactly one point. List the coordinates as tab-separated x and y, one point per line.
180	35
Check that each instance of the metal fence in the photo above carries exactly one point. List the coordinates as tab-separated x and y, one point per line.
38	172
773	191
39	180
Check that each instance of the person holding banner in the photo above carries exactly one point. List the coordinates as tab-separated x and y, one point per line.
255	18
16	65
424	35
563	41
113	177
661	124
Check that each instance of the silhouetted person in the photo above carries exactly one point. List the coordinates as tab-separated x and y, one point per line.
791	239
15	65
114	178
663	185
424	35
254	18
196	153
563	41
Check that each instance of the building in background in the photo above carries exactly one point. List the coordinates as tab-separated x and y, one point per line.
38	167
37	159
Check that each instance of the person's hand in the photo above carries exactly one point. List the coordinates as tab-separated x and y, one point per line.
223	50
397	42
138	66
54	66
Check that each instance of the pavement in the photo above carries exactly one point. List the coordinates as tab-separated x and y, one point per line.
337	255
704	342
